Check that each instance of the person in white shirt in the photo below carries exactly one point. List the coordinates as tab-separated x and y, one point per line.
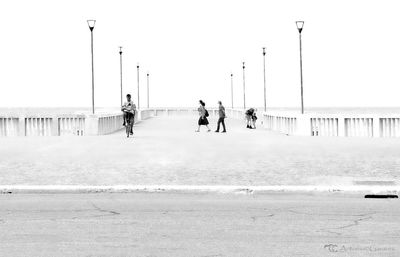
129	110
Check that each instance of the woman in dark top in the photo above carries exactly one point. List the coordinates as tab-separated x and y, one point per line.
203	113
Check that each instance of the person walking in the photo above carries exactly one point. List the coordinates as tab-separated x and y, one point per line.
203	113
222	116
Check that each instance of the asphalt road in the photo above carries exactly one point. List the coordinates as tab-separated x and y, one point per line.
198	225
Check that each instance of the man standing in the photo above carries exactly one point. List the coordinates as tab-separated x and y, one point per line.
222	116
129	110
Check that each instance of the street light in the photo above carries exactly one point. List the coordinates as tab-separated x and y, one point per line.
137	67
91	24
300	25
148	94
265	90
232	89
120	68
244	88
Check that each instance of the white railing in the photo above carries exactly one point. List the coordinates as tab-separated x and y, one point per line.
389	127
282	124
109	123
38	126
71	126
9	126
324	126
356	125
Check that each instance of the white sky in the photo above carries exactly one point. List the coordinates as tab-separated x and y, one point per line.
351	52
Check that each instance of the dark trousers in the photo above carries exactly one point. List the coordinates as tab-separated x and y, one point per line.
131	117
221	120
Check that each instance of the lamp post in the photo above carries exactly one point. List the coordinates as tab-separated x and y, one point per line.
265	89
300	25
148	91
91	24
232	89
138	104
244	88
120	69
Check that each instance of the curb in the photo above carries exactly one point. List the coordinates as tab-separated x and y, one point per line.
8	189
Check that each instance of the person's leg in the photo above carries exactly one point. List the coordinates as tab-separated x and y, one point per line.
219	121
132	122
223	124
124	115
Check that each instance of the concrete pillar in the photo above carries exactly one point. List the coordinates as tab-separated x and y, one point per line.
303	125
341	127
54	126
21	126
376	127
91	125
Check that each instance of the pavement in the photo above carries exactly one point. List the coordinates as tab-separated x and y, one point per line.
198	225
166	151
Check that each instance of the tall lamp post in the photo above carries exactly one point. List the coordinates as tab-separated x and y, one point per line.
265	89
244	88
300	25
232	89
120	69
148	91
91	24
138	104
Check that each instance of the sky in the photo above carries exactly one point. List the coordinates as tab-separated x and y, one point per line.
351	52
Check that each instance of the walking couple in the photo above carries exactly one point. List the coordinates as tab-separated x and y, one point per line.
203	113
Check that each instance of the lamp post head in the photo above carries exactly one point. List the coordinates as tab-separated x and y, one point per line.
243	65
120	49
147	74
300	25
264	51
91	24
231	74
137	66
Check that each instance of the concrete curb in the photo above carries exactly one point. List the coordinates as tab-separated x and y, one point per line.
5	189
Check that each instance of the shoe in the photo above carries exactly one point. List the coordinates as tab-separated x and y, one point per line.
224	131
131	133
216	131
209	130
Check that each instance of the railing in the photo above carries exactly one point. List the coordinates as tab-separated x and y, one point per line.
389	127
109	123
333	125
71	126
9	126
282	124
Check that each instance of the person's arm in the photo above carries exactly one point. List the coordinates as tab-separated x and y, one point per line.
134	108
123	107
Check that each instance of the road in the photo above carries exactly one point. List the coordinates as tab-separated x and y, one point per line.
198	225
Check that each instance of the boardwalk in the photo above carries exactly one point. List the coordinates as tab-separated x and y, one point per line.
167	151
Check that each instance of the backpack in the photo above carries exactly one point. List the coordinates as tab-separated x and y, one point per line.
206	114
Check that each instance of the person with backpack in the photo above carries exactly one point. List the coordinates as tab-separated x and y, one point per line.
203	113
249	118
